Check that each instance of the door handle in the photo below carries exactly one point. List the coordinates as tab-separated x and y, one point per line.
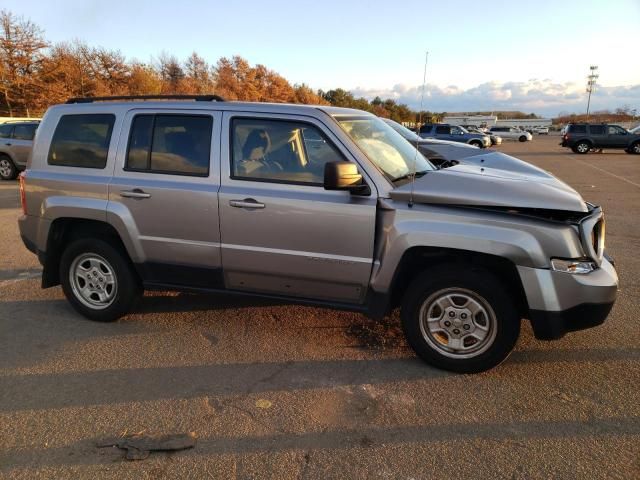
246	203
135	193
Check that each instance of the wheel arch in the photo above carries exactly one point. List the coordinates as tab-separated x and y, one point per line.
64	230
418	259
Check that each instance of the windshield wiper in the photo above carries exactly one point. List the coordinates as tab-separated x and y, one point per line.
410	174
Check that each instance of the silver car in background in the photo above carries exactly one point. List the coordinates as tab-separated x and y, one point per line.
16	141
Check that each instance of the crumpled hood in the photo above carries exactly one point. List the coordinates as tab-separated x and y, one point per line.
480	186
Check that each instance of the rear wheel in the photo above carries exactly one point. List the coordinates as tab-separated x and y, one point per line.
523	138
8	170
582	147
98	280
464	322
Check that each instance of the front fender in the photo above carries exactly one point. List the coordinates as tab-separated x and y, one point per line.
524	242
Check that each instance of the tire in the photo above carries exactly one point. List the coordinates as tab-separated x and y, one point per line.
635	148
8	170
582	147
476	143
522	138
496	322
90	260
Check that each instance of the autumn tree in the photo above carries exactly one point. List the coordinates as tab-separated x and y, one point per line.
22	51
199	76
171	73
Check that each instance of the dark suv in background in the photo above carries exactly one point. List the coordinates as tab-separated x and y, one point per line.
584	137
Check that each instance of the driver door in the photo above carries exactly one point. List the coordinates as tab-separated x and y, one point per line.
618	136
281	232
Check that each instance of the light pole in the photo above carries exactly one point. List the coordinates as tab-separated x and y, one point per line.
591	85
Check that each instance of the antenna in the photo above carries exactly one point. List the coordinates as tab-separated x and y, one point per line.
592	80
415	157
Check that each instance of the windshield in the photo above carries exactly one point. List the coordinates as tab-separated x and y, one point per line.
385	147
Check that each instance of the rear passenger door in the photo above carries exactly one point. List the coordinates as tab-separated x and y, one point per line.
443	132
598	134
22	140
165	187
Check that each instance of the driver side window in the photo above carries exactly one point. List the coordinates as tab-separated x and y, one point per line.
280	151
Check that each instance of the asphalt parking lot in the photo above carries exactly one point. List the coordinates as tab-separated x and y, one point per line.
281	391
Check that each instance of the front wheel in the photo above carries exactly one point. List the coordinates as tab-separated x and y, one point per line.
635	148
8	170
476	143
98	280
460	321
523	138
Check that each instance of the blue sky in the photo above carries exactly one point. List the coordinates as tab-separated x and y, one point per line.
523	55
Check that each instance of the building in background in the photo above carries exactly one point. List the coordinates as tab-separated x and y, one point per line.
489	121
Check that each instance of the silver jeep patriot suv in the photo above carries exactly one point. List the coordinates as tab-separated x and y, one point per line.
310	204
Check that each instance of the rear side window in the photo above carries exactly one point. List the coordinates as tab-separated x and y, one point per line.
170	144
597	129
443	130
578	128
24	132
426	128
82	141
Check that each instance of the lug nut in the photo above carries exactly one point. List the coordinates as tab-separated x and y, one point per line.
463	316
452	314
456	331
466	326
447	323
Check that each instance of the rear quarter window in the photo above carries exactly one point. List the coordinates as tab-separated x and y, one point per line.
81	141
577	129
597	129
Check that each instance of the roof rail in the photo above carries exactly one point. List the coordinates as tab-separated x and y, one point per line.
197	98
33	120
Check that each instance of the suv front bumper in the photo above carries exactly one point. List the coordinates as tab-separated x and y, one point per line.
562	302
554	325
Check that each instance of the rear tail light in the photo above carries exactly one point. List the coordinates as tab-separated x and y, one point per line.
23	194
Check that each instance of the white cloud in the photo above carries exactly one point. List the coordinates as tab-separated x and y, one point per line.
543	97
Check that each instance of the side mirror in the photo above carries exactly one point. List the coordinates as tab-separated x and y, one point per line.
344	176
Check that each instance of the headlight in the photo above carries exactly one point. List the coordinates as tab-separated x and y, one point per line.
574	266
